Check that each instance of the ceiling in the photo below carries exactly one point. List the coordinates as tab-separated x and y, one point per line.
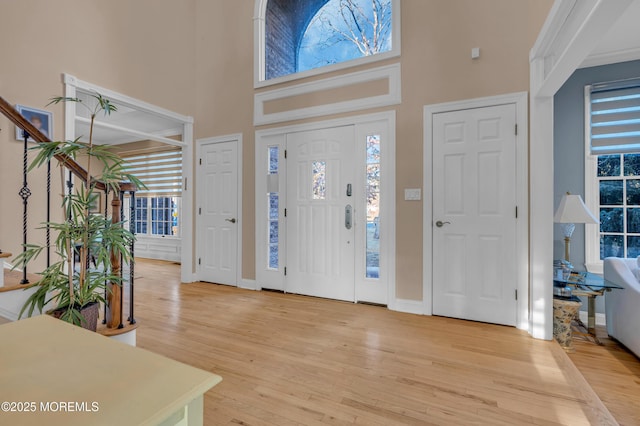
124	125
621	43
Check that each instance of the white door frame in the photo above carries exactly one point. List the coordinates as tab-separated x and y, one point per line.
237	138
522	197
73	84
566	39
275	136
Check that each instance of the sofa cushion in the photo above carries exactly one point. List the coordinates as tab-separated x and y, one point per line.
622	313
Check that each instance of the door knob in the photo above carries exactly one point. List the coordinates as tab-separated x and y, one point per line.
440	223
232	220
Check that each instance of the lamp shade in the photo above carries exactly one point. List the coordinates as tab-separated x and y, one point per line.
573	210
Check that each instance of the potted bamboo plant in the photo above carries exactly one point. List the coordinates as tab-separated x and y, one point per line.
72	290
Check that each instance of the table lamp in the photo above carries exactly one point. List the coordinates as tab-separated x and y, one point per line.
571	211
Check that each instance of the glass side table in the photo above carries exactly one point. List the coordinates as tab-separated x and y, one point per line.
588	285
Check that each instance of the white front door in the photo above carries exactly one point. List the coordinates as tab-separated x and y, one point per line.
218	212
474	214
321	201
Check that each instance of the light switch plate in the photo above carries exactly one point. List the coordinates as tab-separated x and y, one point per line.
412	194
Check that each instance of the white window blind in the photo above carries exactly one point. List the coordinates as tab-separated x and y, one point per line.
161	171
615	117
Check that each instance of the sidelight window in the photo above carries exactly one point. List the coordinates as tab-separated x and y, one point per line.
273	200
373	206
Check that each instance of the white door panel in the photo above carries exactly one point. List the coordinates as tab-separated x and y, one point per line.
320	247
474	196
218	225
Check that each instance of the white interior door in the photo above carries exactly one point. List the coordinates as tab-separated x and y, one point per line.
474	214
320	213
218	212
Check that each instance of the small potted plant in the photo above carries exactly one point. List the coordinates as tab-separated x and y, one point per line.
72	289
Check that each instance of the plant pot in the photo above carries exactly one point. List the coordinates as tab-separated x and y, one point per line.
90	312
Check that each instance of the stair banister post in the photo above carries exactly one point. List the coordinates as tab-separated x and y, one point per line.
106	288
24	193
132	228
121	325
114	304
48	230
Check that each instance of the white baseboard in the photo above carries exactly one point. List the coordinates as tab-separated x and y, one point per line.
247	284
408	306
11	303
600	318
11	316
128	338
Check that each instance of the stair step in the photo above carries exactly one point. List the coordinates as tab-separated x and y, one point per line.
12	280
102	329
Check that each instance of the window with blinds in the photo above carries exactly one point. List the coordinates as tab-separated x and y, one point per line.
161	171
615	117
614	114
158	207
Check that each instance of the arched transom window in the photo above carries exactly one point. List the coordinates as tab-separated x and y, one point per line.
307	35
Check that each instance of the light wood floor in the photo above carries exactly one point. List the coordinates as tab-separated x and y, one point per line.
614	374
288	359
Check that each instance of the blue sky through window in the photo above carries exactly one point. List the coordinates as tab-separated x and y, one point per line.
344	30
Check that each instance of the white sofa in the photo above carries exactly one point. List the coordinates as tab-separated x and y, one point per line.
623	306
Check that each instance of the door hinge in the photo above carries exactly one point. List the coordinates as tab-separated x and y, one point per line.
201	161
199	261
516	130
285	154
199	210
516	212
516	294
285	270
285	212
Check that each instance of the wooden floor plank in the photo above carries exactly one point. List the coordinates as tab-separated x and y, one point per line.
288	359
614	374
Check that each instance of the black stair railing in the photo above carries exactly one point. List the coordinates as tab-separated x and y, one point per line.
24	193
31	133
